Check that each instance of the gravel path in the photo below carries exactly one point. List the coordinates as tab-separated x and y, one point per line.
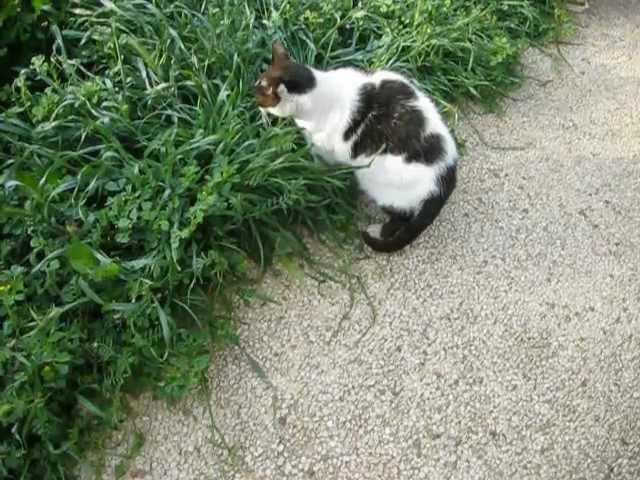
506	342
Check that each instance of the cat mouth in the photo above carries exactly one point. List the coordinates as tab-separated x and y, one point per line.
268	101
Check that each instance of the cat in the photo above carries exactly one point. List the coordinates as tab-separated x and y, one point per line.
379	122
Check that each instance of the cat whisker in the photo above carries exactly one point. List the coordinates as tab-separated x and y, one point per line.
265	118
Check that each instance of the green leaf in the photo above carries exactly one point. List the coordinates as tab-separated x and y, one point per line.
164	323
39	4
84	286
5	410
91	407
107	271
30	181
81	258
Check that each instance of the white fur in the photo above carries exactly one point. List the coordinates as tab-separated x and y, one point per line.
324	115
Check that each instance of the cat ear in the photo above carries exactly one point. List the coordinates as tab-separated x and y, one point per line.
279	54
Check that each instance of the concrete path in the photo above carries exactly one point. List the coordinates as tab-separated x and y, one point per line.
506	343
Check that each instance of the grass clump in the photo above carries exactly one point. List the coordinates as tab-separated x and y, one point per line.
139	186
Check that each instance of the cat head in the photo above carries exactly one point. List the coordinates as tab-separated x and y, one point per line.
280	89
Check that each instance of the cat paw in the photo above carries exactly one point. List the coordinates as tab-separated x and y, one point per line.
375	230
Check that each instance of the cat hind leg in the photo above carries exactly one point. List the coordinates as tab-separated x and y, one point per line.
394	224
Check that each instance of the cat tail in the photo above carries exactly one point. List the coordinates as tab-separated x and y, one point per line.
428	212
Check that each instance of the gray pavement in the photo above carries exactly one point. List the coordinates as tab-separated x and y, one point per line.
506	341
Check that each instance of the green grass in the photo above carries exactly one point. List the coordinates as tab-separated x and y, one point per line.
140	189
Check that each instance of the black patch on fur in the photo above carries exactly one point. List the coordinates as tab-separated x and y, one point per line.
399	232
366	105
387	121
298	79
429	150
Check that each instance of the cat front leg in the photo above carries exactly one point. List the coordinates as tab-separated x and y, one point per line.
317	154
315	151
325	155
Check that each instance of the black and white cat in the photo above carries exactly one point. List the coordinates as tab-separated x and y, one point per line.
378	121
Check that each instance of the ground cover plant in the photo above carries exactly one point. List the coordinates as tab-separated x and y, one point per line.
139	188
